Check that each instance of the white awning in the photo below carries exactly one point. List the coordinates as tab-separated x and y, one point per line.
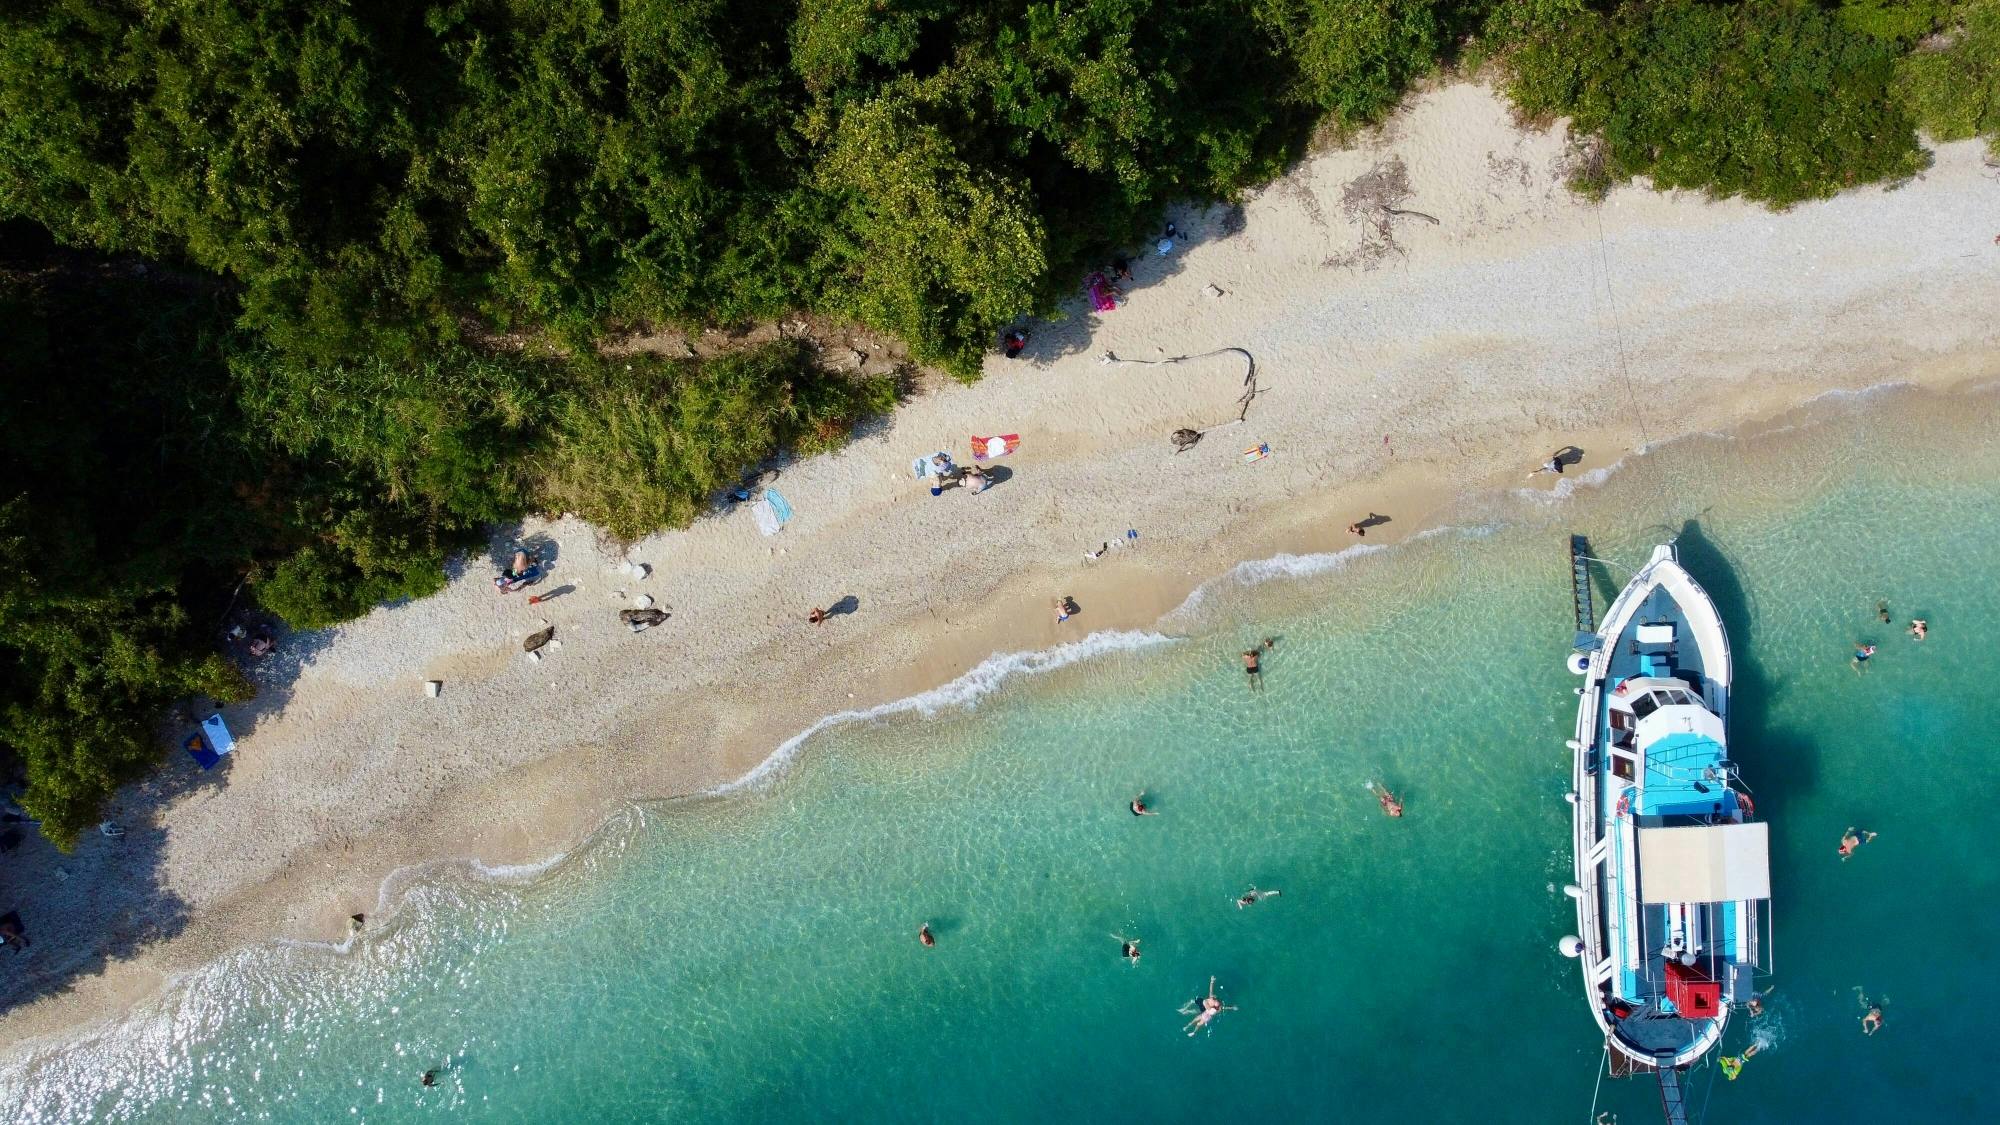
1705	863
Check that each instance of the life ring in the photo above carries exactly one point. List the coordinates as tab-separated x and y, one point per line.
1578	663
1624	804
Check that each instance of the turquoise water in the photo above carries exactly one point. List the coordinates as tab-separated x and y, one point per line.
753	957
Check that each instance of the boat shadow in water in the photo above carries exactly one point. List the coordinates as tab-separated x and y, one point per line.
1777	764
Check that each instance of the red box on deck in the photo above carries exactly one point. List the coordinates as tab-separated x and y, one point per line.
1693	994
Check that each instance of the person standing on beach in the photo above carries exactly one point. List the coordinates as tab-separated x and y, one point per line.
1066	608
816	616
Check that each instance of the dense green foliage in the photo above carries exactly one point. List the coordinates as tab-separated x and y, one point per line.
1778	100
1952	85
157	458
386	240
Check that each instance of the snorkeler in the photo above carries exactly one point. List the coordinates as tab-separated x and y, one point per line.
1204	1009
1139	806
1253	896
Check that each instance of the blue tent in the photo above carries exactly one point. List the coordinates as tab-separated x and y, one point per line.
212	743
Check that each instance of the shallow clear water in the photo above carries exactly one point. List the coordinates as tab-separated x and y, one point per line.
753	958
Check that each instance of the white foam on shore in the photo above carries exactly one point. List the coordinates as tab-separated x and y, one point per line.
962	693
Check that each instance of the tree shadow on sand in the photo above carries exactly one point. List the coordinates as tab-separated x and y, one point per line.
106	901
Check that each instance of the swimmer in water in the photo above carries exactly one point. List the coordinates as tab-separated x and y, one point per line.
924	935
1390	805
1253	896
1755	1006
1861	654
1882	611
1850	840
1253	668
1128	948
1919	628
1204	1009
430	1078
1139	807
1871	1021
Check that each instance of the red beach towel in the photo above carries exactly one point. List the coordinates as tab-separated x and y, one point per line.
985	447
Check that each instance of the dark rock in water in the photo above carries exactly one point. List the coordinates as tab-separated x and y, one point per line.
537	640
642	618
1185	439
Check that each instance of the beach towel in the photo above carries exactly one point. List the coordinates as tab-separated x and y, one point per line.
772	512
986	447
214	740
1256	453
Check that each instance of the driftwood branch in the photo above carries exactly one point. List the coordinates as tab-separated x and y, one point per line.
1432	219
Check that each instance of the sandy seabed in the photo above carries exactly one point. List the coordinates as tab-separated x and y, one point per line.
1404	361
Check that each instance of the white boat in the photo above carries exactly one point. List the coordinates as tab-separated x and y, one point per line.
1673	878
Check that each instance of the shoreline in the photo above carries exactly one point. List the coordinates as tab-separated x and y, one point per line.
659	716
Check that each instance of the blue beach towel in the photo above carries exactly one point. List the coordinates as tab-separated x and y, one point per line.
773	512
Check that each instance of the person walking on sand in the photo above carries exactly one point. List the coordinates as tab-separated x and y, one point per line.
925	935
1139	806
816	616
1862	654
1850	840
1919	628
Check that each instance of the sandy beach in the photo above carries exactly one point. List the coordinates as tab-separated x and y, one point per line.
1404	361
